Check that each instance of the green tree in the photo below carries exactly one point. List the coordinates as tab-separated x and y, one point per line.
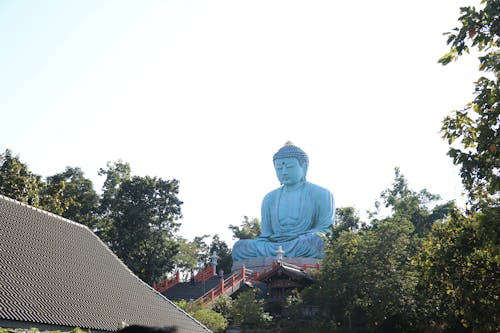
293	309
248	229
141	214
248	311
17	182
420	208
346	219
225	261
186	258
188	306
460	272
460	259
203	254
196	254
68	194
475	129
211	319
223	305
366	281
78	201
115	173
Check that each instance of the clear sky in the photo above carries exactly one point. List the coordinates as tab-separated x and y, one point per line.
207	91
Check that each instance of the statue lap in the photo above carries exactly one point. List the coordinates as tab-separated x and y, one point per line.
303	246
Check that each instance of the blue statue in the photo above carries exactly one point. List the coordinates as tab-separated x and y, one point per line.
294	215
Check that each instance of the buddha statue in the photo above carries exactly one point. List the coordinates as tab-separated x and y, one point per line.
293	216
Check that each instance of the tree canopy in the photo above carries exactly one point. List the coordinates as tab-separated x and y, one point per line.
77	200
136	216
473	132
17	182
367	279
143	214
248	229
461	258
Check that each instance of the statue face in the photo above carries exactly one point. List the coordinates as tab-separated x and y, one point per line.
289	171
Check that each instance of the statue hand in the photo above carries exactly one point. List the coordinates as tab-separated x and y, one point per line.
318	233
281	238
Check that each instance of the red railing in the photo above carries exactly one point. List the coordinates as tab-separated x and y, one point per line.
229	284
205	274
255	276
168	283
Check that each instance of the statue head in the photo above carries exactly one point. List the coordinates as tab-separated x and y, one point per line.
290	154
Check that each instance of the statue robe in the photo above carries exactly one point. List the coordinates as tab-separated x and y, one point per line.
299	239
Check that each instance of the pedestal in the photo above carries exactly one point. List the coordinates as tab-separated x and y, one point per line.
264	264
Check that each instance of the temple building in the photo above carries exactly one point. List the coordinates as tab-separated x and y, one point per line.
56	274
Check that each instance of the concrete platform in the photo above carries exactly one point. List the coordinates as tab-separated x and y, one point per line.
261	264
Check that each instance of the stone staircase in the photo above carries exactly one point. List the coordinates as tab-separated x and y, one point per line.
191	290
205	287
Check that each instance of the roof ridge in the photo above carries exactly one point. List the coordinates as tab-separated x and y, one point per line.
43	211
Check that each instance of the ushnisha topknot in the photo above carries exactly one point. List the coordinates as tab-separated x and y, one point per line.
291	150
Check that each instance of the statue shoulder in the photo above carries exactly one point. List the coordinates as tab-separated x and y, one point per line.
274	193
322	198
271	196
313	188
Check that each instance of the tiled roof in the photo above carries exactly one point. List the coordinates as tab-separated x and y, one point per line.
57	272
283	268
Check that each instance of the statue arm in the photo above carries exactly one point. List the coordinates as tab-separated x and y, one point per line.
266	230
326	211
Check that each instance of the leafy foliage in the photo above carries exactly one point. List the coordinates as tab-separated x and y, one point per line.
196	254
186	258
367	280
293	309
460	265
211	319
188	307
366	277
248	311
476	127
17	182
220	247
68	194
249	229
460	259
223	305
78	201
419	208
203	255
142	212
346	219
79	330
